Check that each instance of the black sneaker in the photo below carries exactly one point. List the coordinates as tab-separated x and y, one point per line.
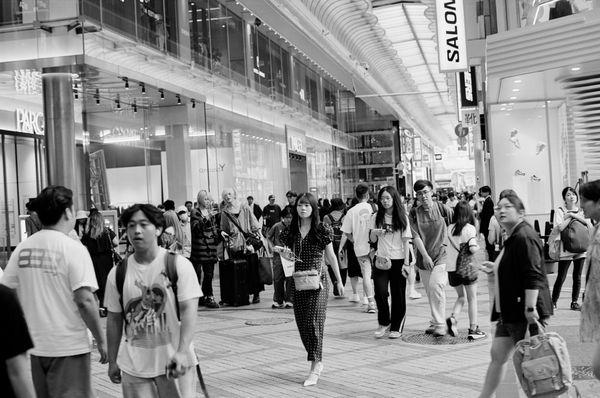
476	334
202	301
256	299
211	303
575	306
102	312
452	328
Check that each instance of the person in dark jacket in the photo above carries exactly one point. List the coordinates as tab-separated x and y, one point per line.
485	215
522	294
205	238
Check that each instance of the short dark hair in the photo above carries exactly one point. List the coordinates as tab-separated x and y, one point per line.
514	200
155	216
420	184
361	190
51	204
287	211
250	197
569	189
485	189
590	190
337	204
451	194
188	201
506	192
169	205
292	194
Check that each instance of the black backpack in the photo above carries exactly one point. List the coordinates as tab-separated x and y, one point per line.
171	271
336	225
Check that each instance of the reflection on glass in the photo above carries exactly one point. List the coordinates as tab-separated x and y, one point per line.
237	63
219	52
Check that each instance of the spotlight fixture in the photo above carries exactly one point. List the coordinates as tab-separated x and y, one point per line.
97	96
178	99
193	103
118	101
76	93
134	106
162	93
126	80
143	88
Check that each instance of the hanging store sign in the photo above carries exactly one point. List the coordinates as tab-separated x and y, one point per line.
28	81
470	120
468	88
452	44
418	149
29	121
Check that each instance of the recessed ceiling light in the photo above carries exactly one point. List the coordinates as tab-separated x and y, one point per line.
502	109
508	114
575	68
511	103
516	90
513	98
518	81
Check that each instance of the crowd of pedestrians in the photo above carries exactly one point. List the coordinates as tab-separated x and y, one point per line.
71	262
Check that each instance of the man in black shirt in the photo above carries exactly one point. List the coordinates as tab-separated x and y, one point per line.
256	210
271	213
291	197
15	373
487	211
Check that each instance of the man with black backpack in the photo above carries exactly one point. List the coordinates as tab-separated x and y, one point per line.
153	296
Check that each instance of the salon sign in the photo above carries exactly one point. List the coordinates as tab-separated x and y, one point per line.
452	43
30	122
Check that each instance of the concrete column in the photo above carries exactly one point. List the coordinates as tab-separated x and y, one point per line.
179	166
60	128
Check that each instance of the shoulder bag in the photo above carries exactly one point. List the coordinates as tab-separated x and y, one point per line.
251	238
464	264
306	280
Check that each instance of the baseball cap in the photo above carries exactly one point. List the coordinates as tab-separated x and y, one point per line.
271	197
181	209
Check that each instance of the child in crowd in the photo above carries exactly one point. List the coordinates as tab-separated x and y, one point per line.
282	296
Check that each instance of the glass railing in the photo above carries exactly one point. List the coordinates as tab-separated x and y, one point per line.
25	12
533	12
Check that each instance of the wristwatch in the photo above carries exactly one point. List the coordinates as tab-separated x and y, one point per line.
530	309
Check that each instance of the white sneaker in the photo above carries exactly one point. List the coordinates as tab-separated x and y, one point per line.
414	295
365	301
354	298
381	331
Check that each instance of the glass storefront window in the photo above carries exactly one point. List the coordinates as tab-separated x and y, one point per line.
199	31
119	15
285	70
330	98
151	23
534	12
219	51
276	82
261	64
237	62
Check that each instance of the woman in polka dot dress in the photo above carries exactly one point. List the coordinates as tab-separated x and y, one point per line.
309	239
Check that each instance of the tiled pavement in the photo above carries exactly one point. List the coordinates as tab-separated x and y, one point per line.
239	360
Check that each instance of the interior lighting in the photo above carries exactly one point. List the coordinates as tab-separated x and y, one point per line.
515	90
118	102
130	138
134	106
126	80
513	98
518	81
76	93
97	96
575	68
162	93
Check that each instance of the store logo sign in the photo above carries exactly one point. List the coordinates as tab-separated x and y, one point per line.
296	141
28	81
29	121
452	44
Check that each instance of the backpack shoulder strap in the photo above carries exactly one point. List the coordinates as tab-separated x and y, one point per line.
171	270
120	281
443	212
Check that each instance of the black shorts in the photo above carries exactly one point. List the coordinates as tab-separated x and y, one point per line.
514	330
455	280
353	265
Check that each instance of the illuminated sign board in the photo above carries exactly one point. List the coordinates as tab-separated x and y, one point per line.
29	121
452	43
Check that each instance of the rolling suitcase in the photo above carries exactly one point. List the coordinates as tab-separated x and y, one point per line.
232	279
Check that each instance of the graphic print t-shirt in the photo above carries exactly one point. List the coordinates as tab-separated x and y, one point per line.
46	269
358	222
391	244
151	324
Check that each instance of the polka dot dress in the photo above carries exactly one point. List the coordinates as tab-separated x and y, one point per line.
310	306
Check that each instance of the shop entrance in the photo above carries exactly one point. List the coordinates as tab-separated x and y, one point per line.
298	173
22	176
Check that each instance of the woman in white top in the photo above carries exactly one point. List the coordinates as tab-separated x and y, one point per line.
562	218
391	230
462	232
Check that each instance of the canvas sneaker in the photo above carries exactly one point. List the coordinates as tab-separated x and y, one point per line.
371	309
365	301
430	329
452	328
276	305
354	298
395	335
476	334
287	304
439	331
381	331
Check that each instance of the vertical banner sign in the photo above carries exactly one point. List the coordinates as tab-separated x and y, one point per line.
452	43
468	88
470	119
418	149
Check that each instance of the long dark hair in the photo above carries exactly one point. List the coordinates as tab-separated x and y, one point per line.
462	216
309	198
398	210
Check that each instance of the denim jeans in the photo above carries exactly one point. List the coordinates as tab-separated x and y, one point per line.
397	288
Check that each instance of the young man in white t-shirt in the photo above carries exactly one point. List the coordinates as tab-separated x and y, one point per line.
356	226
55	281
155	337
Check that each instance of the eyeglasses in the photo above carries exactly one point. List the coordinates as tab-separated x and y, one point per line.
508	206
423	192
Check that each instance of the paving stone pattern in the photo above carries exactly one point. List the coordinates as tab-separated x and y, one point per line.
267	359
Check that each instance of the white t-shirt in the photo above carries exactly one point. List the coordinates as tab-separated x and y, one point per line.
468	233
46	269
151	324
358	222
391	244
